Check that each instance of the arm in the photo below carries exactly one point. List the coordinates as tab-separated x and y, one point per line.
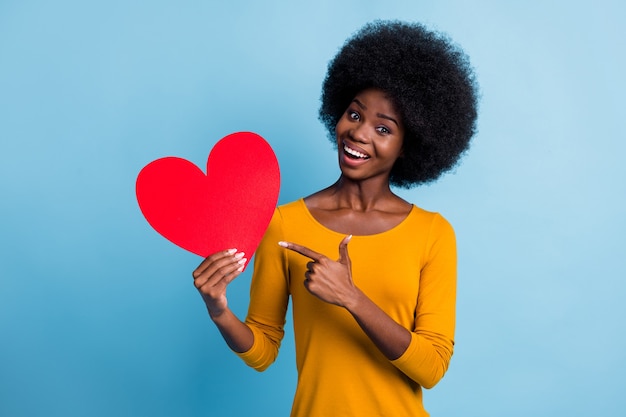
269	298
428	356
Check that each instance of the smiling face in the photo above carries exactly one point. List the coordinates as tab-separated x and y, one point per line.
369	136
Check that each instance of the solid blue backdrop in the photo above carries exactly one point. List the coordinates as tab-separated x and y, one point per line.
98	314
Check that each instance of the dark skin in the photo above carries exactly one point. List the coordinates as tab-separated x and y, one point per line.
358	218
369	138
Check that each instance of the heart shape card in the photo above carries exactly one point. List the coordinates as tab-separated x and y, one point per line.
228	207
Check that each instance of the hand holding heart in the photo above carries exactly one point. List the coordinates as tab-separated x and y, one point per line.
328	280
213	276
228	207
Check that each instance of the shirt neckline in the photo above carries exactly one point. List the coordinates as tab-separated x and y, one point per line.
396	227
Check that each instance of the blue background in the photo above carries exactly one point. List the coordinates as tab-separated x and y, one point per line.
98	314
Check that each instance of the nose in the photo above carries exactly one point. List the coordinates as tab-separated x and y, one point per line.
359	133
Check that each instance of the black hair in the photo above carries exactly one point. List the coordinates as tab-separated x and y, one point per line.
430	82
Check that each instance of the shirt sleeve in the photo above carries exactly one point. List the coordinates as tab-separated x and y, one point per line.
269	298
432	340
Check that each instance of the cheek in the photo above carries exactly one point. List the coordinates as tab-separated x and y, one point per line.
340	129
401	147
340	125
395	150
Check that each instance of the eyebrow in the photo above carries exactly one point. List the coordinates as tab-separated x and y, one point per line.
381	115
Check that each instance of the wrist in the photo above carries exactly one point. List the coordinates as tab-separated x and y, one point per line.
215	312
354	301
215	315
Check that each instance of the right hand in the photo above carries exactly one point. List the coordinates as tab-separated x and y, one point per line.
213	275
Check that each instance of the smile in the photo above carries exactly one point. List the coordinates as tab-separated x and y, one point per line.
353	153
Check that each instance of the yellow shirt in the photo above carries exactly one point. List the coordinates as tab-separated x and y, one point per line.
408	271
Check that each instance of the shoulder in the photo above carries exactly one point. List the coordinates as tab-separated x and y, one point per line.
285	219
431	226
435	219
290	214
291	209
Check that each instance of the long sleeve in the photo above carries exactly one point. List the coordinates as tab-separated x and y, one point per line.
428	355
269	298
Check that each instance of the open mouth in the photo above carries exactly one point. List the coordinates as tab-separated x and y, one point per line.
353	153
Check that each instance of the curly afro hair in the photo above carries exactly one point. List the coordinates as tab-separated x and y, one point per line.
429	80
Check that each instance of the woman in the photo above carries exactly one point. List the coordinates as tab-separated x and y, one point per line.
372	277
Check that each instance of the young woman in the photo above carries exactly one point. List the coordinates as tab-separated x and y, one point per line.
372	277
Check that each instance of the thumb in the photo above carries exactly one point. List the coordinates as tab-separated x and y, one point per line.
344	257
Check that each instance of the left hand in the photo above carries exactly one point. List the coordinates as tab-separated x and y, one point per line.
328	280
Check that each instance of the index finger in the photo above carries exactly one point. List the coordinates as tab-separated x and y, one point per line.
302	250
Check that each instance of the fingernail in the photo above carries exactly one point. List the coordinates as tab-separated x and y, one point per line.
283	244
240	268
239	255
242	261
231	251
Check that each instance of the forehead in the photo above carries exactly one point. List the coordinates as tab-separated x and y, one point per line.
376	98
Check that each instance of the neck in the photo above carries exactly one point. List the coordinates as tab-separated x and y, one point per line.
362	195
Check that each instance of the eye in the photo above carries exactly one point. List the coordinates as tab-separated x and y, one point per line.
352	115
383	130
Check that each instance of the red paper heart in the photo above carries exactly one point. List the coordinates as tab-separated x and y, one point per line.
230	207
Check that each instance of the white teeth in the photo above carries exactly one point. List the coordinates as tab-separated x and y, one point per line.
354	153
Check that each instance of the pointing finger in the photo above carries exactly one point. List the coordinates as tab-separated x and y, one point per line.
302	250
